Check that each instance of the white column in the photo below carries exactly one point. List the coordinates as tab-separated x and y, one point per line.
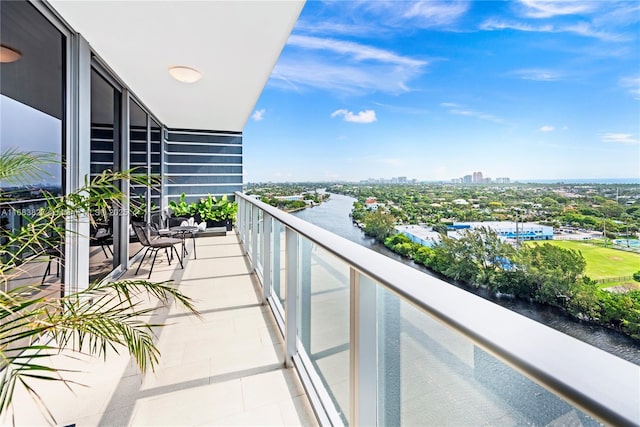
266	256
291	302
78	158
363	366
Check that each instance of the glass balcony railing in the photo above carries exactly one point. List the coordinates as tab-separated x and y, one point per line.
378	343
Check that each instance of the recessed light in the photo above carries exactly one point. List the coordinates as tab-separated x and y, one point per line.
185	74
9	55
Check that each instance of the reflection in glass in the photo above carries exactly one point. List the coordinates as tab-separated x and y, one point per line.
324	319
428	374
105	138
32	120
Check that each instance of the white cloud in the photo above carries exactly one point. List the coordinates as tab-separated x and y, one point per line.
435	13
547	128
345	67
619	138
460	110
583	29
632	84
550	8
357	51
538	75
367	116
258	114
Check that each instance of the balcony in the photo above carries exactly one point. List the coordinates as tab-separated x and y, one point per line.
379	343
225	368
300	326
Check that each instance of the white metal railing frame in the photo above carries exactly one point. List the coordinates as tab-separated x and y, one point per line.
600	384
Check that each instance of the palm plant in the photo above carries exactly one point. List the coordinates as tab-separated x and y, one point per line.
106	317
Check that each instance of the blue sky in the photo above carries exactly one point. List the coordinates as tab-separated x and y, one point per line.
431	90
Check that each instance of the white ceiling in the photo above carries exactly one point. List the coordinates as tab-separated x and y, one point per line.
234	44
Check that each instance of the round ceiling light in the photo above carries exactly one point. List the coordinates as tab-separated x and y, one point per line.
9	55
185	74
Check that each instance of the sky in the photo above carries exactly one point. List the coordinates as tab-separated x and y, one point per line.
528	89
44	135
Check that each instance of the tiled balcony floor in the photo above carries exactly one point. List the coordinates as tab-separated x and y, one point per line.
225	368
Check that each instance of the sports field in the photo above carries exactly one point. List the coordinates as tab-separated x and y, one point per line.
602	262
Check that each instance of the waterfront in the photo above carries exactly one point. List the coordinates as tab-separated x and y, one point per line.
333	215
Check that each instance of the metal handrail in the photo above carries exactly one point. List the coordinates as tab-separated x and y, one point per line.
601	384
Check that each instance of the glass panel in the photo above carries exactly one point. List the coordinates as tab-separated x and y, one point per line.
32	110
260	238
105	140
156	146
278	261
324	319
203	169
197	159
204	190
429	374
204	149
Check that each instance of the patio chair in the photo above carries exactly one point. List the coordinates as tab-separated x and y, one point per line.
53	250
102	235
154	245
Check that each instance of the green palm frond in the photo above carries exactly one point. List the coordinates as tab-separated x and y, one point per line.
105	318
17	166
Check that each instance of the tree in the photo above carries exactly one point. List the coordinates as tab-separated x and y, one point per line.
98	320
379	225
553	271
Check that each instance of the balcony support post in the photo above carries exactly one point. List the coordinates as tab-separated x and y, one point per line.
255	225
267	223
363	366
291	302
242	205
247	227
275	231
305	293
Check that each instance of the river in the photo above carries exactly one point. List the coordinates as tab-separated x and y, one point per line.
333	216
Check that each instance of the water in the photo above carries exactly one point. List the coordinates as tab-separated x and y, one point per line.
334	216
628	243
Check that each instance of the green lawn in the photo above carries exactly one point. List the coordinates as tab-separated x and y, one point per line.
602	262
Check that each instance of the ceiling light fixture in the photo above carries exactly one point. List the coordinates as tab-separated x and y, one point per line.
8	55
185	74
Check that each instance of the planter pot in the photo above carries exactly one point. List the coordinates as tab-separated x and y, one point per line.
175	221
226	223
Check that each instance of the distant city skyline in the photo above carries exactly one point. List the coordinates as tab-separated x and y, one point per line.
531	90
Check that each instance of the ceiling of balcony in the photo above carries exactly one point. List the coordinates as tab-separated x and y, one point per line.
234	44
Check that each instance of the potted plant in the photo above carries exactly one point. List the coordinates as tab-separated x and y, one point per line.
228	211
209	211
180	211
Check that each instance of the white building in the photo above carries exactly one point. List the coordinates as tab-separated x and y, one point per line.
419	234
510	229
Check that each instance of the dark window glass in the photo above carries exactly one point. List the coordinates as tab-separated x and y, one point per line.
105	143
205	189
203	169
32	110
174	158
205	179
197	137
205	149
